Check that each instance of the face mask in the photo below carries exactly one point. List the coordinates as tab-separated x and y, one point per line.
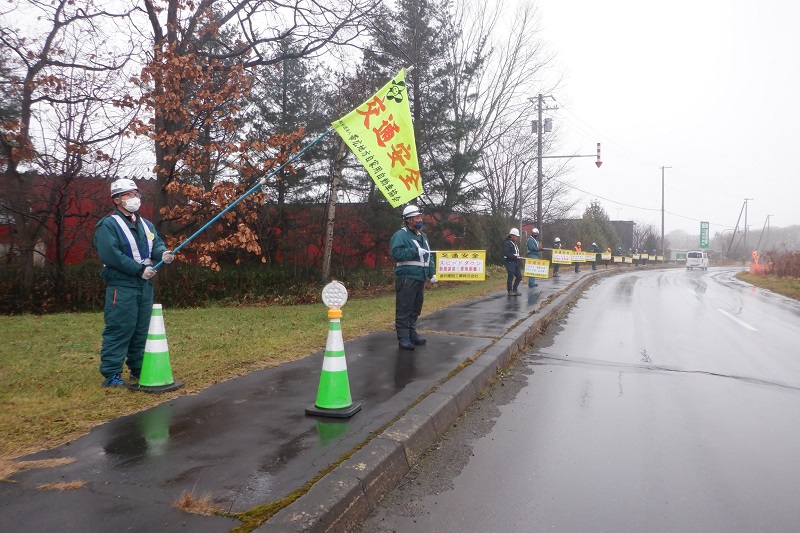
132	205
419	225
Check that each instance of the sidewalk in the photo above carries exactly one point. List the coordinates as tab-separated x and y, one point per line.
247	442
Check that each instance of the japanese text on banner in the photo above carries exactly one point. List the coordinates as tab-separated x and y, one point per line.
562	257
461	265
381	135
537	268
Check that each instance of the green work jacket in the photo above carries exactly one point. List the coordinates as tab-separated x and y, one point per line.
412	254
122	264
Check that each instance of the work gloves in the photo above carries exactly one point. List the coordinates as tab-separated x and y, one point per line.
167	257
148	273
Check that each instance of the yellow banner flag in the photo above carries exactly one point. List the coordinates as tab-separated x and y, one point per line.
381	135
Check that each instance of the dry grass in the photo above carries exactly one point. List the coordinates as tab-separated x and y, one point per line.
786	286
49	379
8	467
67	485
189	503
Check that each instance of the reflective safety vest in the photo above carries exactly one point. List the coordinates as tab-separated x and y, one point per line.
131	246
422	251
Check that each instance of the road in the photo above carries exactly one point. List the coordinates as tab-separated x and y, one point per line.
664	401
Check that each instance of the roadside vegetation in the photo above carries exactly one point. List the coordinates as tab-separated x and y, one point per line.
782	275
50	389
786	286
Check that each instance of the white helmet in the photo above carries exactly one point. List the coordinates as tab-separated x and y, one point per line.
411	211
594	244
535	231
513	231
557	240
122	185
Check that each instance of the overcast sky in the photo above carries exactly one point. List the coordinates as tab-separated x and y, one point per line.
708	87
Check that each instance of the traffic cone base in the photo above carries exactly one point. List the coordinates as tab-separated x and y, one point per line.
156	373
333	395
175	385
345	412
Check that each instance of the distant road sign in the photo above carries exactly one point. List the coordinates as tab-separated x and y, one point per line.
704	235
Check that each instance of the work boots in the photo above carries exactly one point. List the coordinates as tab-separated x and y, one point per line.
406	344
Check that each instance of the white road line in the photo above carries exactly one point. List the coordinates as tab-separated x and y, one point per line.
741	323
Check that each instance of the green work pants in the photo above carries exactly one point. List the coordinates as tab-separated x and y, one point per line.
127	317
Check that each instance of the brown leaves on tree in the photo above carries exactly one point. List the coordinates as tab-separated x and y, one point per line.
203	161
230	234
235	233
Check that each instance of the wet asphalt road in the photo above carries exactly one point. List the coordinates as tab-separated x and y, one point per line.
665	401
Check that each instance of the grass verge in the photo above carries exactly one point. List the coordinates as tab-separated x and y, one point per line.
786	286
50	389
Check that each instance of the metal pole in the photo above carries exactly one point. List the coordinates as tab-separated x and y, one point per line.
260	183
767	241
733	236
521	176
539	224
662	210
663	252
745	225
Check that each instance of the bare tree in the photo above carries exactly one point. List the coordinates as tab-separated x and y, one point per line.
645	237
60	69
220	36
496	71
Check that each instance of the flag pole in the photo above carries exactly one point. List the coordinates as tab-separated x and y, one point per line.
253	189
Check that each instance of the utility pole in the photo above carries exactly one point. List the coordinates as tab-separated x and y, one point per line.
735	229
766	226
539	126
745	224
663	252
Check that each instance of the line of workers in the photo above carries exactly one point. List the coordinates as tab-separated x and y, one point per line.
512	257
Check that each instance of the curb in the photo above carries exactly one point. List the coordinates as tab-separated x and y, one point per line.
345	497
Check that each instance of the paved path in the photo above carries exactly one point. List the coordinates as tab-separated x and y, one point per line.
247	442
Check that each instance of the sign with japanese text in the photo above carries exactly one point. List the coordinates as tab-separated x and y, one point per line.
659	258
618	259
461	265
644	256
704	235
562	257
606	256
537	268
629	260
381	134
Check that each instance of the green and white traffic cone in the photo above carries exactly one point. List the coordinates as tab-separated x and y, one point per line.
156	373
333	394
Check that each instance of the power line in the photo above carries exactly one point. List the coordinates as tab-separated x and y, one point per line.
620	149
633	206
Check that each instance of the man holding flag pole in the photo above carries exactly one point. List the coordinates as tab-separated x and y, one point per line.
380	133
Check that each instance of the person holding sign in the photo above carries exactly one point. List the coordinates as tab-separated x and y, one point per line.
596	251
412	254
511	259
556	266
534	252
577	248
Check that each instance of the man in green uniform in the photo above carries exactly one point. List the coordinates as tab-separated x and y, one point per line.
128	245
533	252
412	254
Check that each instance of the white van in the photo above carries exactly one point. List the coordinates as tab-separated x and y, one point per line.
695	259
